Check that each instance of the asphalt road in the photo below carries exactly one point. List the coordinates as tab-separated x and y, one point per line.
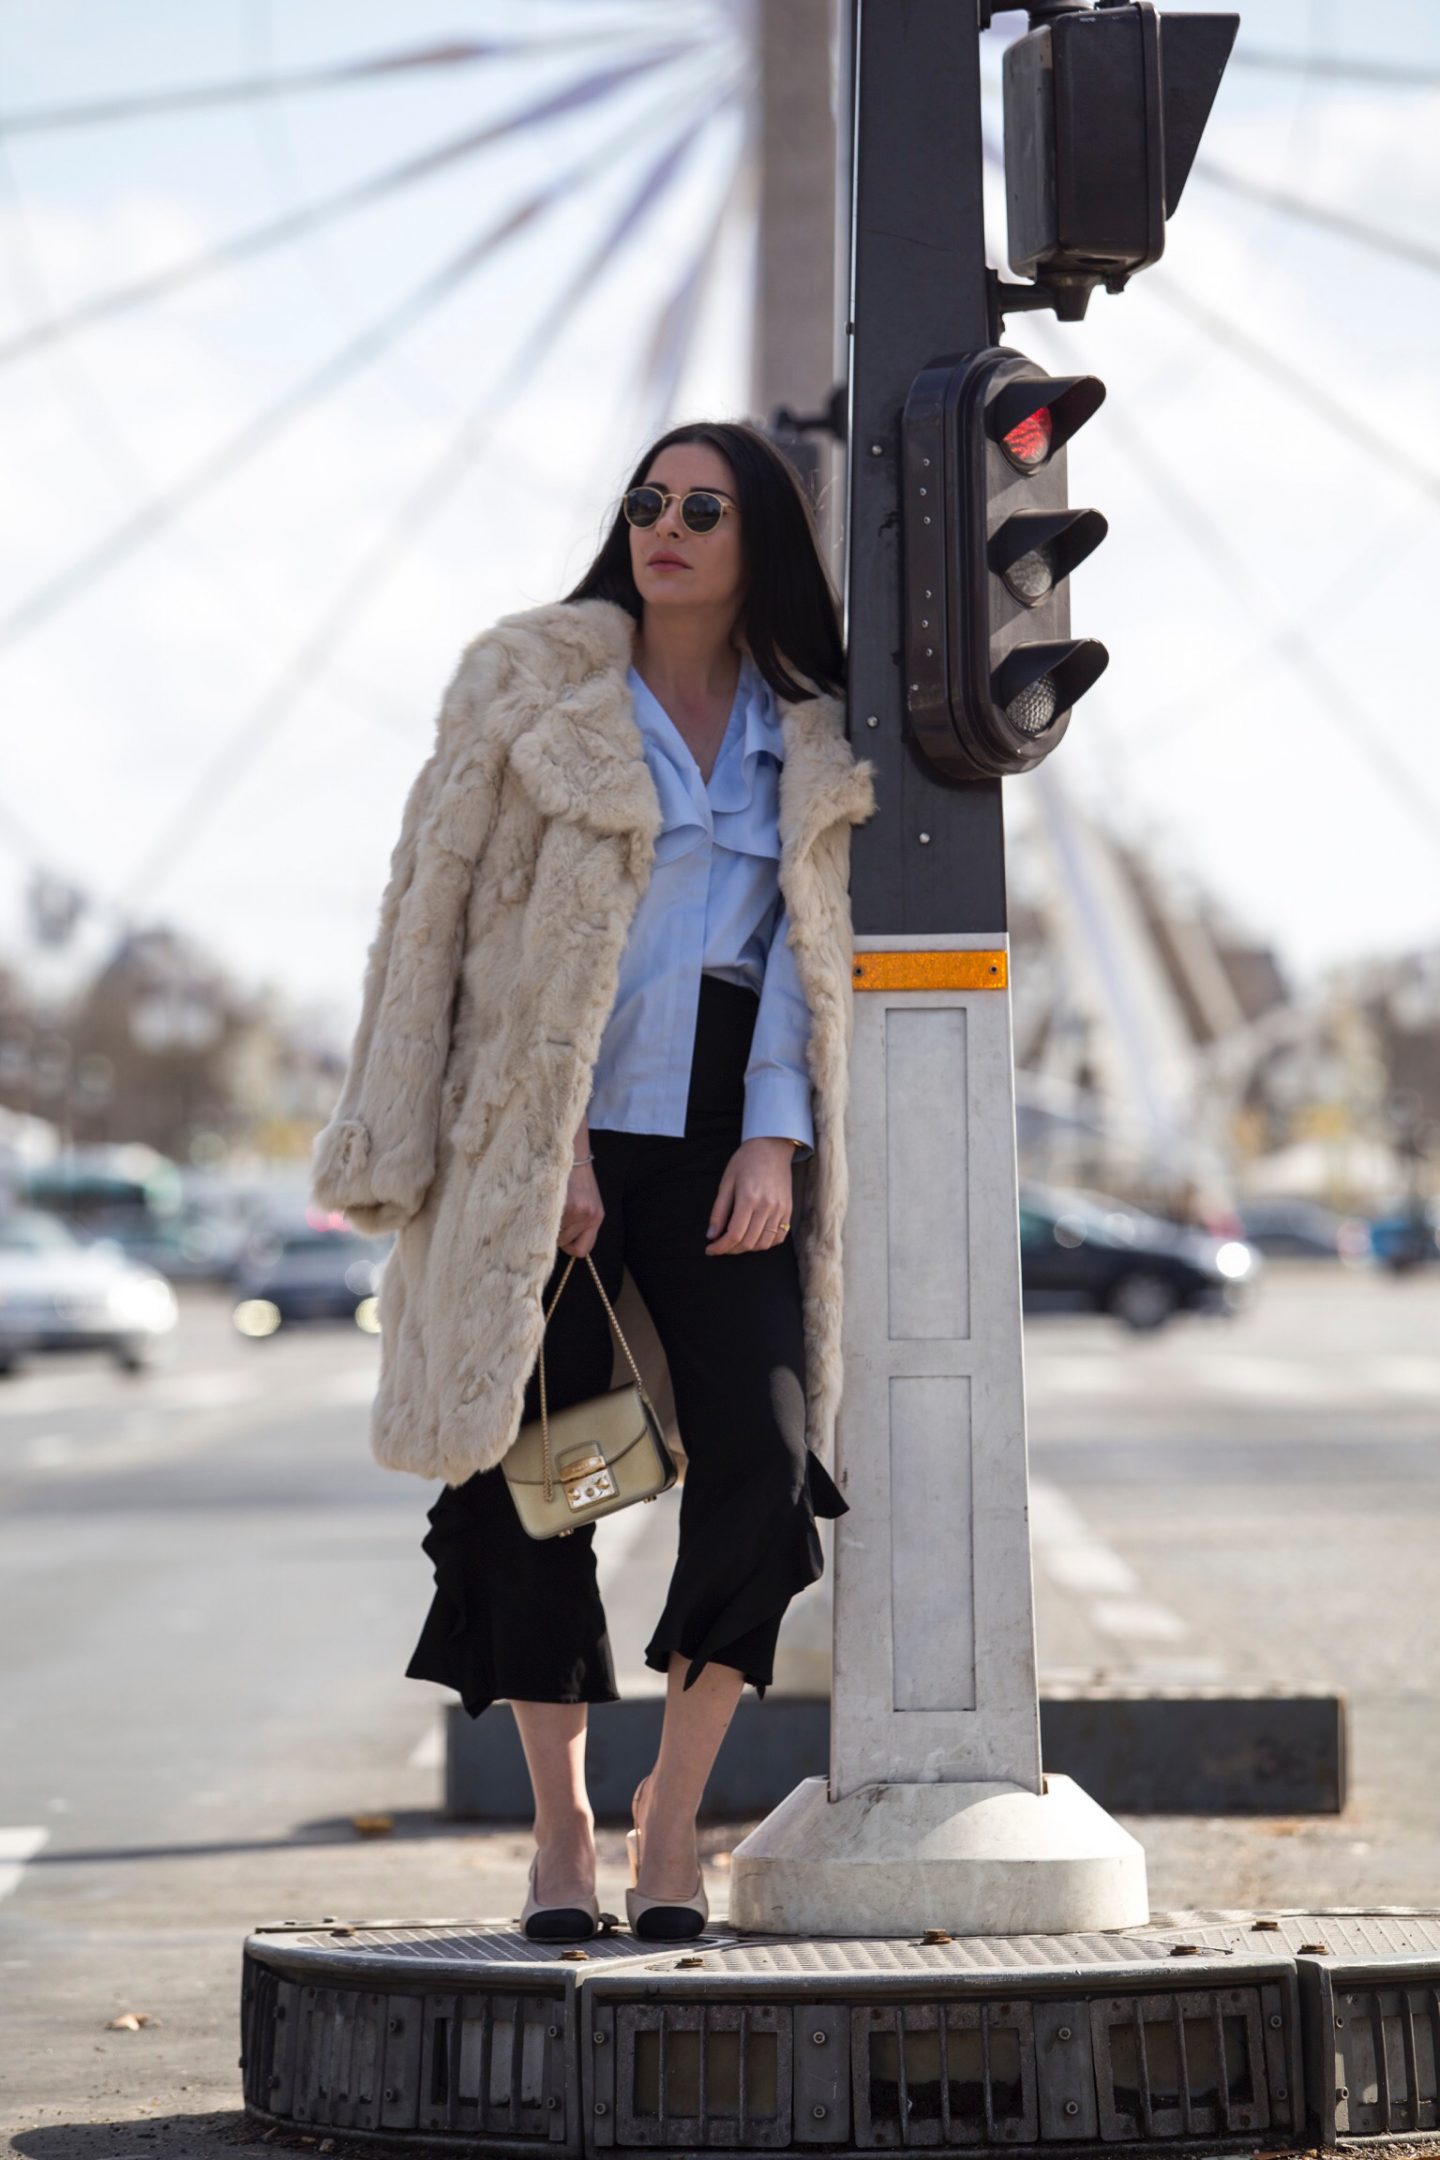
208	1593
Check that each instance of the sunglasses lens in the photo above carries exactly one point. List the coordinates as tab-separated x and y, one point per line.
701	511
643	505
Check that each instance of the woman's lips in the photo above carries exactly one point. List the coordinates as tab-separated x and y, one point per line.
667	562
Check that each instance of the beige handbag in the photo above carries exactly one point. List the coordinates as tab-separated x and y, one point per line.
592	1458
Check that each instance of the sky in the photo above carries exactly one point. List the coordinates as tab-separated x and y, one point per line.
211	719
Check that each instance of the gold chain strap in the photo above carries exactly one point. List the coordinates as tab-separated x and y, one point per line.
544	1407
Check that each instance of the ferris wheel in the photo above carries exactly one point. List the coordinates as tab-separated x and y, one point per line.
519	174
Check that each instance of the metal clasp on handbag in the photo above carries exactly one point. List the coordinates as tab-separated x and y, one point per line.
585	1479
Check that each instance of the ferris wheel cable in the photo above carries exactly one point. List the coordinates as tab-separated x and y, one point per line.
1211	540
27	846
655	400
35	852
79	388
672	333
1358	230
1313	66
1279	368
345	202
1301	138
1298	649
1358	577
1335	67
259	725
457	52
96	422
99	424
1340	599
276	139
22	840
382	710
1326	67
76	385
133	532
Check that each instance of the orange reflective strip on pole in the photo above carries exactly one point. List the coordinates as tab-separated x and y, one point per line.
931	970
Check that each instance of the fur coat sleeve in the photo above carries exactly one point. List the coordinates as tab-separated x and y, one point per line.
376	1158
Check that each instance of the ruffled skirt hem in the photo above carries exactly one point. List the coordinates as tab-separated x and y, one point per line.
742	1633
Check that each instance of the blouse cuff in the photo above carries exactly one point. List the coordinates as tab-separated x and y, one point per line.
777	1106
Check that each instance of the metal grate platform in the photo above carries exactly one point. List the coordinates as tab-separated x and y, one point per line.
1206	2030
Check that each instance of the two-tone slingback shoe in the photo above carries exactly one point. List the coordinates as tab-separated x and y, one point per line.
662	1919
557	1923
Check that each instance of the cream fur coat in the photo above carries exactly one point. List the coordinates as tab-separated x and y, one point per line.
526	842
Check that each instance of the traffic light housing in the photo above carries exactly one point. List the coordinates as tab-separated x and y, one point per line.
1104	110
991	670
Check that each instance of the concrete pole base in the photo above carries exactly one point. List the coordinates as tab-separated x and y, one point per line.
991	1859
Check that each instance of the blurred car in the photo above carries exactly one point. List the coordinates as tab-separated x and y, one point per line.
313	1270
1406	1236
186	1248
59	1293
1082	1253
1303	1230
102	1188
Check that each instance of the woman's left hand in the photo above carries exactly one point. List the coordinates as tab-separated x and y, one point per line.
752	1207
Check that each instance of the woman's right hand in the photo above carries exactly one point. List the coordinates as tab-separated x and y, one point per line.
583	1215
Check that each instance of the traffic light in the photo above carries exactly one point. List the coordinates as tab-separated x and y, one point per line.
991	670
1104	110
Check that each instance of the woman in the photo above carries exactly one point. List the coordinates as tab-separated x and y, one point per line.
606	1015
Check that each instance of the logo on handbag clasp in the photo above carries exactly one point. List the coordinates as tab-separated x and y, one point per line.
586	1478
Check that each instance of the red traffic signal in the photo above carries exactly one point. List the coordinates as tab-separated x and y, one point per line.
990	540
1036	416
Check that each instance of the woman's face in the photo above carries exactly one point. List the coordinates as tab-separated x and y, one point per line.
674	567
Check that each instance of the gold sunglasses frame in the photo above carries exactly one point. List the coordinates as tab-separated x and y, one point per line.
670	496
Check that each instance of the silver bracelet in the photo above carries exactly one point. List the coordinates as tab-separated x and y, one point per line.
580	1161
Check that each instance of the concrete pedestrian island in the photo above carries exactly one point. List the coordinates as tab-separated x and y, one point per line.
1211	2032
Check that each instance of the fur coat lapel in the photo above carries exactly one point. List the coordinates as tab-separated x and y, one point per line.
583	757
526	842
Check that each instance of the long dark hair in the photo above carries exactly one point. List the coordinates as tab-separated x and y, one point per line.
789	617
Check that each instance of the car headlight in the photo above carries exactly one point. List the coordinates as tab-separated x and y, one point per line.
1234	1260
144	1302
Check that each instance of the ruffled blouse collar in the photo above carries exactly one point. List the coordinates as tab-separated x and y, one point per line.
753	729
733	779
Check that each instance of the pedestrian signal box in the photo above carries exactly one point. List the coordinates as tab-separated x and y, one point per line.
1104	110
990	540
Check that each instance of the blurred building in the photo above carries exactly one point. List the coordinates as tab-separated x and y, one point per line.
159	1046
1162	1053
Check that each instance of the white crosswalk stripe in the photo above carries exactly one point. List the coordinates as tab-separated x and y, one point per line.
355	1385
428	1752
16	1847
1232	1376
1399	1374
1134	1619
156	1418
1074	1559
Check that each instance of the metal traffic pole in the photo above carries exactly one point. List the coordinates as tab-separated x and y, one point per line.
936	1811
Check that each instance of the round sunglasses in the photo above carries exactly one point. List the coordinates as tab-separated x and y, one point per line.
701	509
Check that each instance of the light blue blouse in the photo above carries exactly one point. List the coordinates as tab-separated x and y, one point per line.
713	906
